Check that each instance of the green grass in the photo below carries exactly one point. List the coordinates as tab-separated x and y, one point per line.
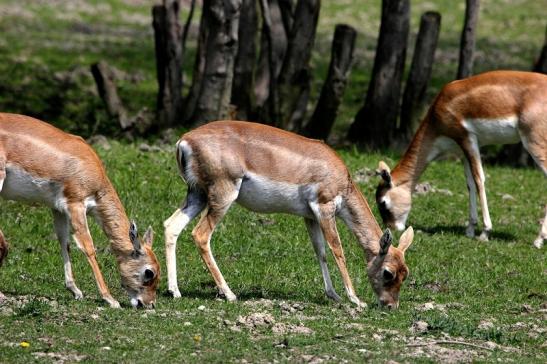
272	265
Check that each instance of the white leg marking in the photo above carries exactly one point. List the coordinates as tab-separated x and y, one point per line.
473	213
481	189
173	227
1	184
318	242
62	230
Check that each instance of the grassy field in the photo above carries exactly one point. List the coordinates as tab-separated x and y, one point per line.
490	298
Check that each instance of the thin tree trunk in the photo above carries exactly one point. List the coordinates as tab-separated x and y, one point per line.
242	89
332	92
271	55
216	89
168	43
467	46
295	76
375	123
199	67
541	64
109	94
272	52
419	75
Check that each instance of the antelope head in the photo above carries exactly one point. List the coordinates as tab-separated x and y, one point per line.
394	201
387	270
140	271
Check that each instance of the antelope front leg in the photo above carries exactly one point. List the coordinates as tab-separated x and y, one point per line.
195	203
62	230
84	241
327	222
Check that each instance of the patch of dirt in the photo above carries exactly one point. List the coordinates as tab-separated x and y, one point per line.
9	303
60	358
291	307
438	306
281	328
419	327
261	303
426	187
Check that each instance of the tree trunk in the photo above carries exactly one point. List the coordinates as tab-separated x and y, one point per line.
418	78
216	87
199	67
332	92
107	90
242	89
467	46
541	64
295	76
273	47
375	123
168	43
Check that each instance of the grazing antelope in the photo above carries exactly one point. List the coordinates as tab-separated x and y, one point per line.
499	107
270	170
41	164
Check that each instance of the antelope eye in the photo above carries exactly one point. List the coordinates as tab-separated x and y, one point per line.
388	276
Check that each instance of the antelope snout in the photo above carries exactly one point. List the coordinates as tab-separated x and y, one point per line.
389	304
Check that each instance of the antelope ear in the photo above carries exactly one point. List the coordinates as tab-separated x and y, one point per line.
406	239
148	237
133	236
385	242
385	172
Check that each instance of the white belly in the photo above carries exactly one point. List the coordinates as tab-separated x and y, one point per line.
260	194
19	185
494	131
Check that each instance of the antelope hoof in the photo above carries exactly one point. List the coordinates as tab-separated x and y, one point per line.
228	295
174	292
470	231
78	295
484	235
538	243
358	302
112	302
333	295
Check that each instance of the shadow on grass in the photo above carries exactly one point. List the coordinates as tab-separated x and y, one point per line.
460	230
207	292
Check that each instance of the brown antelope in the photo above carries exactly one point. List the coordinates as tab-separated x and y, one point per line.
270	170
41	164
499	107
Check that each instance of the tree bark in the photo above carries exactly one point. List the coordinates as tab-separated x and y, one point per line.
109	94
167	33
375	123
216	87
242	89
295	76
199	67
419	75
332	92
467	45
541	64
